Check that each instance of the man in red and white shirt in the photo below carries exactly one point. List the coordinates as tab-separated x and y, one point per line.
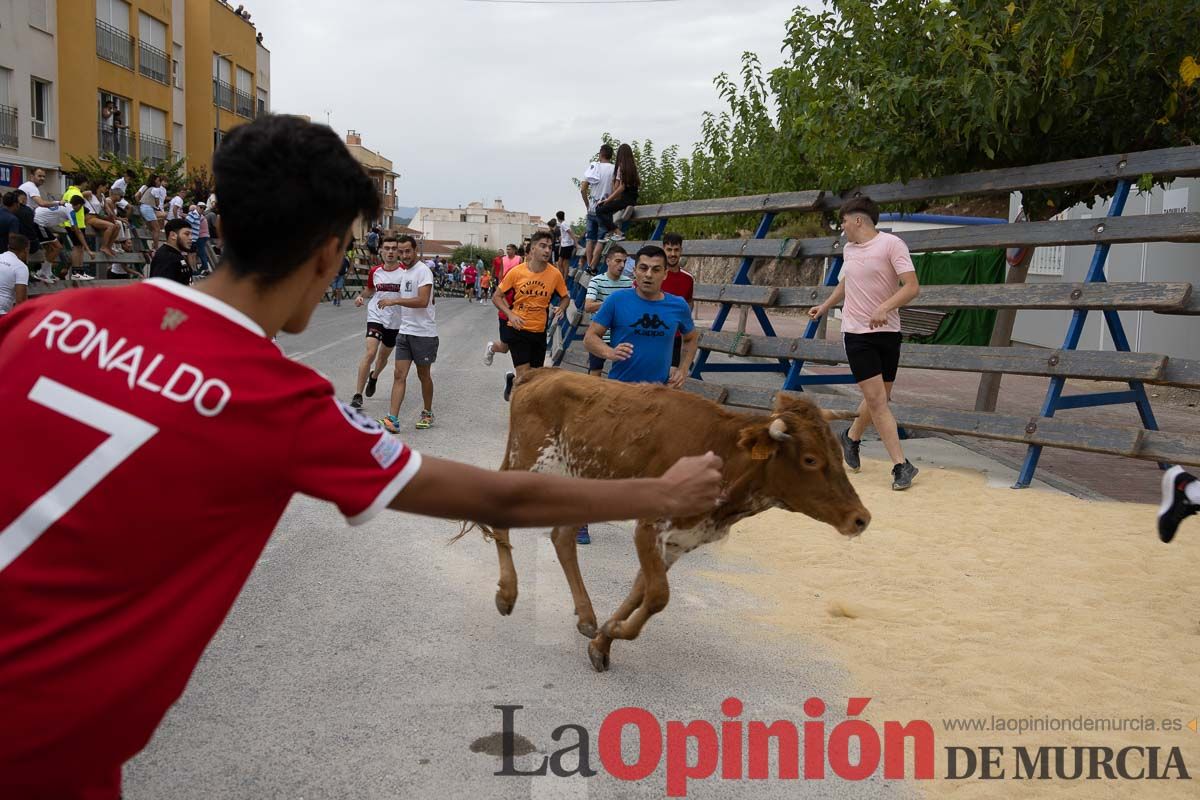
109	594
383	322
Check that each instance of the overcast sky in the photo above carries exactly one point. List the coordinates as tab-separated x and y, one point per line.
479	100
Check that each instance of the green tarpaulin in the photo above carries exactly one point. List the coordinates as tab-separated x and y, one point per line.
964	325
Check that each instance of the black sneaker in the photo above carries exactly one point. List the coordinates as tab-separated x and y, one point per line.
356	401
903	474
1175	503
850	451
371	384
508	382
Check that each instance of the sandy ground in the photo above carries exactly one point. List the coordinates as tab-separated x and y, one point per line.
965	599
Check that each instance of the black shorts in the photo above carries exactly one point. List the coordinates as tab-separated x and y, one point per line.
506	332
872	354
567	252
527	347
595	363
376	330
676	351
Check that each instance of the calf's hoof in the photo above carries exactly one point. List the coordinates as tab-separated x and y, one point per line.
504	605
598	658
588	629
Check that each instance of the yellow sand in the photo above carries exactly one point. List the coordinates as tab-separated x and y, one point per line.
964	600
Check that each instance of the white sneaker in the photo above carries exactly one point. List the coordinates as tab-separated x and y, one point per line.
37	276
489	353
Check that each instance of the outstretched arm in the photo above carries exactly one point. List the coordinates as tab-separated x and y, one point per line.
517	499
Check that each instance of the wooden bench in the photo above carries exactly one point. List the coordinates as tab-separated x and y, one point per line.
920	322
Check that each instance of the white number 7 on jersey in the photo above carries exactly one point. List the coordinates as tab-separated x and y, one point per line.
126	434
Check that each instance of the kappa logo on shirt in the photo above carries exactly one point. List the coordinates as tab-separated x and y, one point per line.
358	419
651	323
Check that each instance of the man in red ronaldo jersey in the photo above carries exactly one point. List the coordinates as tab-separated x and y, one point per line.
109	594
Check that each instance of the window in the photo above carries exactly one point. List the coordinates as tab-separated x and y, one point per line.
113	42
39	14
176	66
262	103
152	138
114	13
8	113
152	48
39	107
222	90
245	100
177	142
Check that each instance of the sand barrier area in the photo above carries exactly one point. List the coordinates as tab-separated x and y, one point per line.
970	600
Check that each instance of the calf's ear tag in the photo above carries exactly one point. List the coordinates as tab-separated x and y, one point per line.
762	451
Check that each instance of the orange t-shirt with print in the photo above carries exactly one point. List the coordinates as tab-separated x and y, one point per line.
532	293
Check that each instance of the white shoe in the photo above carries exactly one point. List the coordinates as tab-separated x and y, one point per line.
37	276
489	353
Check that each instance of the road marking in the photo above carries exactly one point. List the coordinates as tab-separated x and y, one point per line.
324	347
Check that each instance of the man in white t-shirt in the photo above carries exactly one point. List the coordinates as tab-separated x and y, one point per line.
121	184
417	339
14	273
596	185
33	191
55	225
383	283
175	210
566	243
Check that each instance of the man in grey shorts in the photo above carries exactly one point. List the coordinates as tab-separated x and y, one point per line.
417	340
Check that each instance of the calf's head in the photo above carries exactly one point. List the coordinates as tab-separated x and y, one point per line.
800	464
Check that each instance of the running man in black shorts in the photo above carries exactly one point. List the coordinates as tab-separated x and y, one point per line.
533	284
878	278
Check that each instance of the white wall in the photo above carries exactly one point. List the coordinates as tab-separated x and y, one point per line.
1176	336
29	51
502	227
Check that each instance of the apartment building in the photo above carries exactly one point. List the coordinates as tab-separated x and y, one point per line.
153	79
29	86
379	167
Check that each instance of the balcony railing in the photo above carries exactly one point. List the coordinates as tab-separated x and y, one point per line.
261	108
154	151
115	142
222	95
153	63
114	44
8	127
245	104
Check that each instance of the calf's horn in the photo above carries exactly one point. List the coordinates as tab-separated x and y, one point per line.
778	430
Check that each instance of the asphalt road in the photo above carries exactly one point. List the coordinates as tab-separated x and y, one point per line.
365	663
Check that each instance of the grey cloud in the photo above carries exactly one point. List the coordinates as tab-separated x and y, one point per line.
474	101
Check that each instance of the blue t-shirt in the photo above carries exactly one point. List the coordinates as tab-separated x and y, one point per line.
650	326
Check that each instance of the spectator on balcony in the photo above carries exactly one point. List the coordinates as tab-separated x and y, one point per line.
108	139
10	224
170	260
14	273
33	191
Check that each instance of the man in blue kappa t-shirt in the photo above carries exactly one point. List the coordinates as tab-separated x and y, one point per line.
642	322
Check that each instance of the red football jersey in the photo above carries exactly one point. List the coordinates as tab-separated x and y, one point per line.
154	436
679	283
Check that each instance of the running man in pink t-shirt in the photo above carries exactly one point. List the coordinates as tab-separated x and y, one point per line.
878	278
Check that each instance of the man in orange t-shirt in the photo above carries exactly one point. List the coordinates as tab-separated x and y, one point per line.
533	284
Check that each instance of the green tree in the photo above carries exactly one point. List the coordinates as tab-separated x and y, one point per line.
93	169
470	252
884	90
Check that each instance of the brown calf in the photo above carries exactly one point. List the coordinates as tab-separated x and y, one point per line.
586	427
